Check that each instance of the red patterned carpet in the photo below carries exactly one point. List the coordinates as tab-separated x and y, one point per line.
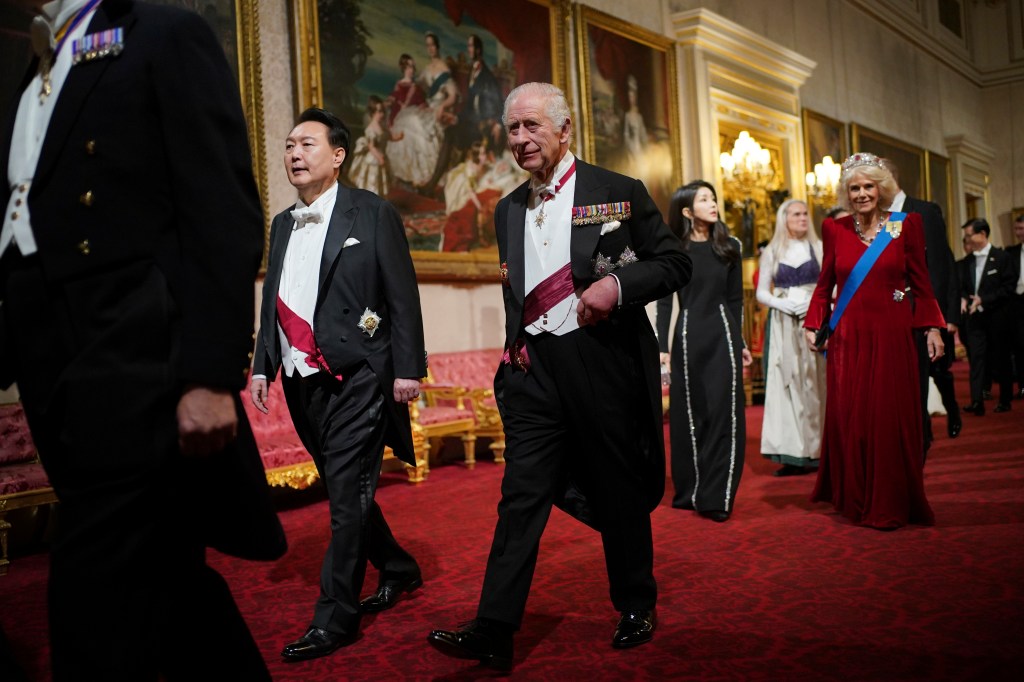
786	590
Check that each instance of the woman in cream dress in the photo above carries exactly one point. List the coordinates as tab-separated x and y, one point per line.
414	158
794	375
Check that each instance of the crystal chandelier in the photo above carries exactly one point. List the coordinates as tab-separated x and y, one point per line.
823	183
748	166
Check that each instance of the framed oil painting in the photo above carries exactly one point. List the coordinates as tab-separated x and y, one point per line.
233	21
823	136
421	85
908	158
629	101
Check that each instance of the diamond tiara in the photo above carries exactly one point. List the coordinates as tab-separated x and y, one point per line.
862	159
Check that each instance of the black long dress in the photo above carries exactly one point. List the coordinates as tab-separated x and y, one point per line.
706	421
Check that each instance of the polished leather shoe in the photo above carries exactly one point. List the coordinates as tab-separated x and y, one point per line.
315	643
387	594
975	408
634	628
954	423
1002	407
716	515
480	640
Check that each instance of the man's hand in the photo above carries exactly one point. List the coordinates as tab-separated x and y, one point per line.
935	346
260	394
975	304
810	335
207	422
406	390
748	357
598	301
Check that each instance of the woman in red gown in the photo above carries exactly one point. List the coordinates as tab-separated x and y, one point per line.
871	454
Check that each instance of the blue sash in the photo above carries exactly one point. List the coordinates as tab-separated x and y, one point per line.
861	270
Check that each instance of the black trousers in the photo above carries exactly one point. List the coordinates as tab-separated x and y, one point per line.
1016	307
342	426
940	372
578	416
130	595
988	334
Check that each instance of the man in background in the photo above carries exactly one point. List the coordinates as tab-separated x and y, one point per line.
341	319
987	288
942	271
130	245
1016	307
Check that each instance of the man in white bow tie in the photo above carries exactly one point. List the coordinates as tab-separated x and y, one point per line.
341	319
126	279
582	250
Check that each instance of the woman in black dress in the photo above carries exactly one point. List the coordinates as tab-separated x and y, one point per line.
706	421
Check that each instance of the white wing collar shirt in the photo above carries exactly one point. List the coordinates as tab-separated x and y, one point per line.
300	274
548	237
33	118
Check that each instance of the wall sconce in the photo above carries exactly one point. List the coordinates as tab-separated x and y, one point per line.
823	183
748	166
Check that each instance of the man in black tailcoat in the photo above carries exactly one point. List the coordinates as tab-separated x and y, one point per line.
341	319
130	246
582	250
1016	307
942	272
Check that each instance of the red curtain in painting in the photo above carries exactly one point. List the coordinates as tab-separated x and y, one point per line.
505	21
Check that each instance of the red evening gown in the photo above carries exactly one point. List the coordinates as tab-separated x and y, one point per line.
872	449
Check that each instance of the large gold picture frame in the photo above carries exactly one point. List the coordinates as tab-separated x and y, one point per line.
823	136
629	101
908	158
352	66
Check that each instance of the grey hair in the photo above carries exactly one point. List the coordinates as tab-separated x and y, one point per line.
887	187
556	107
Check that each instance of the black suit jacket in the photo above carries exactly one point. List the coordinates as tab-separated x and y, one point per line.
942	268
661	268
147	220
997	283
375	273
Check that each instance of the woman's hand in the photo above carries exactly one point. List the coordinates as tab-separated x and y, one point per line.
748	358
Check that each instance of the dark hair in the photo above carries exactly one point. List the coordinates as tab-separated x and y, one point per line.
404	61
1019	219
722	244
437	41
478	46
978	226
834	211
337	131
374	104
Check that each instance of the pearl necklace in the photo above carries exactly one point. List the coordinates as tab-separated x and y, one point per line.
856	226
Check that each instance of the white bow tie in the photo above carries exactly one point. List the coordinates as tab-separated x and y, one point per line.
307	215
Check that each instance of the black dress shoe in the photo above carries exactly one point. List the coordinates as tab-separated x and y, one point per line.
1002	407
315	643
387	594
634	628
481	640
954	423
976	408
716	515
